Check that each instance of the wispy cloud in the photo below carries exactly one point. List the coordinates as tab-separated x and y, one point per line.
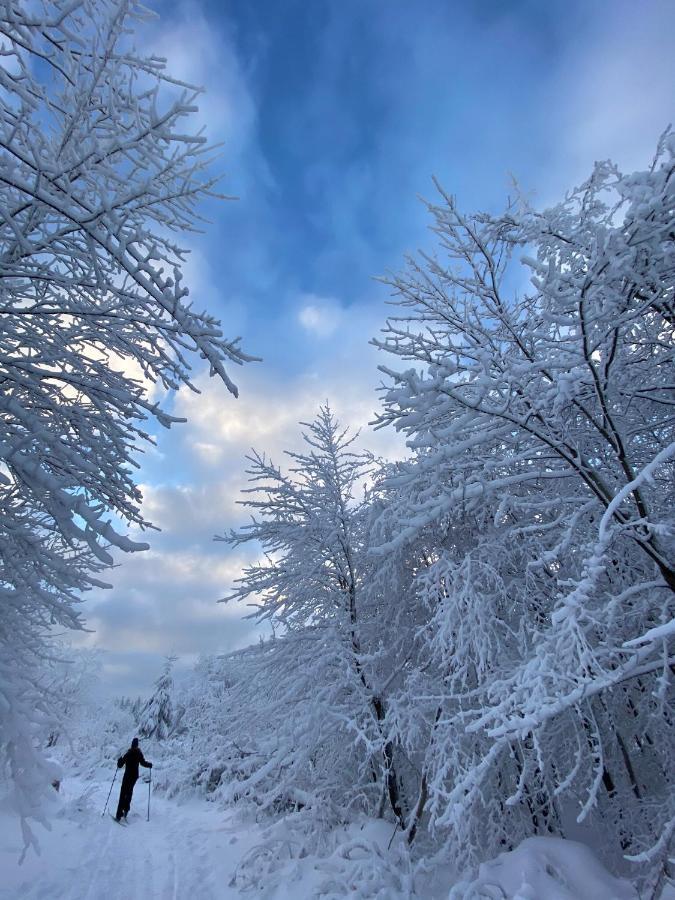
206	57
321	316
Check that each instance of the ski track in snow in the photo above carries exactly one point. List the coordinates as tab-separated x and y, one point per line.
185	852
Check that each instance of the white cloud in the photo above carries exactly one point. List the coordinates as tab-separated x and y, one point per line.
200	53
271	404
164	601
321	316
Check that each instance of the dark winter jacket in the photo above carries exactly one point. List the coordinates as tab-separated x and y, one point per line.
131	760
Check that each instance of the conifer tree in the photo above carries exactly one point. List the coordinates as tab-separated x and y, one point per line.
155	719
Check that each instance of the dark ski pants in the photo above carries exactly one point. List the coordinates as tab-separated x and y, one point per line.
126	792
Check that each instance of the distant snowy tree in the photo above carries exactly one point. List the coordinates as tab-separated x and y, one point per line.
69	682
135	707
202	752
156	717
100	177
93	731
544	447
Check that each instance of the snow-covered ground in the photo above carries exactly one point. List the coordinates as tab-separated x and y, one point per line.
186	851
192	850
544	868
198	851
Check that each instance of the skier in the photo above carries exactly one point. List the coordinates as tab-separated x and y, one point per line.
131	760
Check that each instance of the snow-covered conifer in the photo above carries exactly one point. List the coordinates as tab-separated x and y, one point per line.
156	718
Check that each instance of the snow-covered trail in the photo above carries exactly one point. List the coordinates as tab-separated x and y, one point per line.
184	851
187	851
191	851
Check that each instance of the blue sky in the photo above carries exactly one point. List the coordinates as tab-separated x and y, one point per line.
334	116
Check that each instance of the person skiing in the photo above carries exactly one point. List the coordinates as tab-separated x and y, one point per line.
131	760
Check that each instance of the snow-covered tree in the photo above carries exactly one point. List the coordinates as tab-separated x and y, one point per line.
101	174
156	718
314	688
202	753
69	683
544	443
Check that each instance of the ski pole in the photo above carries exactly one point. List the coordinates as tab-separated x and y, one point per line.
149	786
109	793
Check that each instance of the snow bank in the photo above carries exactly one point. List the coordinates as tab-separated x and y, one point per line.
545	867
358	860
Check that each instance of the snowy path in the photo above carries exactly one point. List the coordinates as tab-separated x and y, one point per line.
185	851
